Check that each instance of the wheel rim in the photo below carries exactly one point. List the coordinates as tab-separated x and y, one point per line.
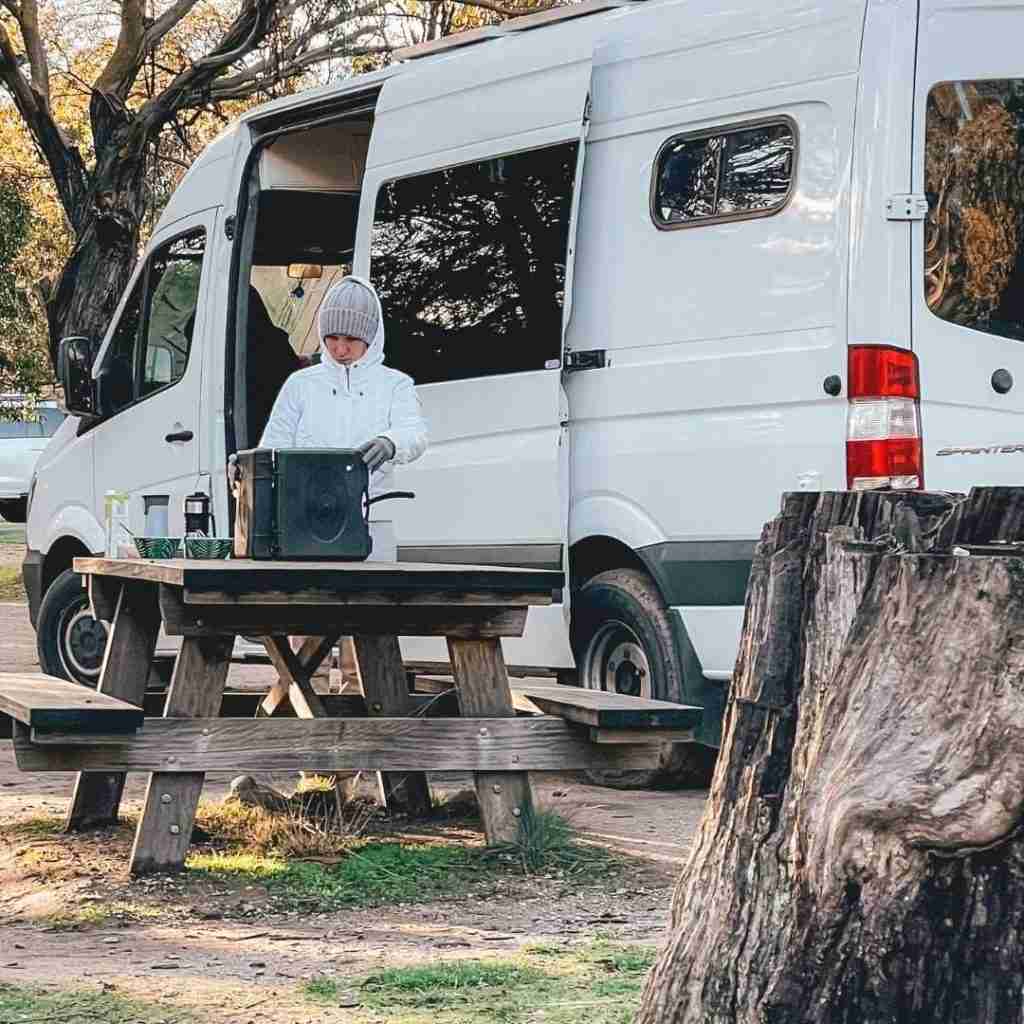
82	643
617	663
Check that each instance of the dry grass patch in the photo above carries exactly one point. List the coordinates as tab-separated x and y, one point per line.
12	588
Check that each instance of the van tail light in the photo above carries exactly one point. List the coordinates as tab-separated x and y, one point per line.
883	422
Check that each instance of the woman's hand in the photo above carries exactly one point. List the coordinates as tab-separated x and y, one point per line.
377	452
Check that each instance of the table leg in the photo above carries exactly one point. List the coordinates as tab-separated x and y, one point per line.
295	684
126	665
386	691
481	682
165	828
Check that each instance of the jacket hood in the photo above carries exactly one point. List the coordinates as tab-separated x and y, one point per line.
375	353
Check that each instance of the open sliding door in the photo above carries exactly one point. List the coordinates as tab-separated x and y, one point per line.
466	228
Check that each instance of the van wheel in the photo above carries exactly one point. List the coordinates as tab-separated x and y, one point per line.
623	640
14	510
69	640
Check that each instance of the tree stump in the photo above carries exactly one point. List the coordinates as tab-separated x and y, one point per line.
861	858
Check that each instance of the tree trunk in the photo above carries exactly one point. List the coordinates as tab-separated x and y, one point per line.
861	857
94	278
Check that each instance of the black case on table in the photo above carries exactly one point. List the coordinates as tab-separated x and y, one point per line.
302	504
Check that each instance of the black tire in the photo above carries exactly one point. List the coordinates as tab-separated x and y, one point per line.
69	640
14	510
624	641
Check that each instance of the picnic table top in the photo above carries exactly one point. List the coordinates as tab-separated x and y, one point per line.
203	580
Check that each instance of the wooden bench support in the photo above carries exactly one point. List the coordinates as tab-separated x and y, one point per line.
386	691
165	828
496	746
483	690
602	710
130	647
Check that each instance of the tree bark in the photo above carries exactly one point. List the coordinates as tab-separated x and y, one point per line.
861	856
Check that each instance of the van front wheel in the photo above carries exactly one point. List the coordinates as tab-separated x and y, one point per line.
623	642
69	640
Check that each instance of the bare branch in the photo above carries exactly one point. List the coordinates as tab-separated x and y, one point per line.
173	16
123	67
27	15
504	9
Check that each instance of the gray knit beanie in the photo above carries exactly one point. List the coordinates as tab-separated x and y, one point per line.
349	307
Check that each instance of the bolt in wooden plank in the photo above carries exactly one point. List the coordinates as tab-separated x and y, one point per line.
126	663
483	689
386	691
165	828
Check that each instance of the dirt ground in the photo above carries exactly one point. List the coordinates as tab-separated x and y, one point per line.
226	949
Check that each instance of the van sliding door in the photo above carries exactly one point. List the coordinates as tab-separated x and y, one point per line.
466	225
967	272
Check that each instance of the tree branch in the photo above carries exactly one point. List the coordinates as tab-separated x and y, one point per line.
64	160
249	29
174	14
123	67
27	15
505	10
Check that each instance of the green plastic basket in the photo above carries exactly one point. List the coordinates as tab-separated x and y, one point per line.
208	547
158	547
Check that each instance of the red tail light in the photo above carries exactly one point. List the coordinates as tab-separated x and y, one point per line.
883	423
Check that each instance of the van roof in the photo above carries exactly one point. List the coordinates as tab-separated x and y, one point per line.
409	59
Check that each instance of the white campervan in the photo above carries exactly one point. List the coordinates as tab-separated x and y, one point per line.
651	264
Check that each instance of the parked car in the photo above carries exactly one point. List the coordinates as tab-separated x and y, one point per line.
651	265
22	441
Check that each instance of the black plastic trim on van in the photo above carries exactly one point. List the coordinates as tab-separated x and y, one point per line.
700	573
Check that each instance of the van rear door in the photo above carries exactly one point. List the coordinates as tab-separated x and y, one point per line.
967	269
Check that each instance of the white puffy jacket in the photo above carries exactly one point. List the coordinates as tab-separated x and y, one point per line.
335	406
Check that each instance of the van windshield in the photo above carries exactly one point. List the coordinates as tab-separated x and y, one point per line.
974	180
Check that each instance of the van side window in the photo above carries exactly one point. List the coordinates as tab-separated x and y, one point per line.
974	181
150	344
724	174
469	263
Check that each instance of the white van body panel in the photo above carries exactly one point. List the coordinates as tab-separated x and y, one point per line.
62	504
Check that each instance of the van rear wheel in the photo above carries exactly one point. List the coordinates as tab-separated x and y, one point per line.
623	641
70	642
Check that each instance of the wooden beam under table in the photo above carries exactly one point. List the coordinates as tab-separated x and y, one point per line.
386	690
129	654
181	619
495	746
483	690
165	828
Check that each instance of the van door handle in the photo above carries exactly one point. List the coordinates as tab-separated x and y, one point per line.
180	435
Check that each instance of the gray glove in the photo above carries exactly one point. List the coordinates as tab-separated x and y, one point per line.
377	452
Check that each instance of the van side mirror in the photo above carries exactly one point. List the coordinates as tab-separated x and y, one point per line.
74	369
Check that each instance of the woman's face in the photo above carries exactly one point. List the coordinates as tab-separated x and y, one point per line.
345	349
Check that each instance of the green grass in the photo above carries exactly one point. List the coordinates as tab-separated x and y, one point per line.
11	586
594	984
32	828
24	1003
372	874
12	533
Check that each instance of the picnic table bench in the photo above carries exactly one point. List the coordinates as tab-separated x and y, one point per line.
60	726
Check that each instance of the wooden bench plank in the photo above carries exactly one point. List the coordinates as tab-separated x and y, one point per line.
329	745
47	703
603	710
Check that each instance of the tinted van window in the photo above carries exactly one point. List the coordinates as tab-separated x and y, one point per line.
974	180
469	263
150	344
724	173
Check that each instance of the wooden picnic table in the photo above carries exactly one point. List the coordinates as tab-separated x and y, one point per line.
59	726
209	603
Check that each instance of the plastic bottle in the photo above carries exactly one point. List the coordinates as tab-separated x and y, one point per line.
115	508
